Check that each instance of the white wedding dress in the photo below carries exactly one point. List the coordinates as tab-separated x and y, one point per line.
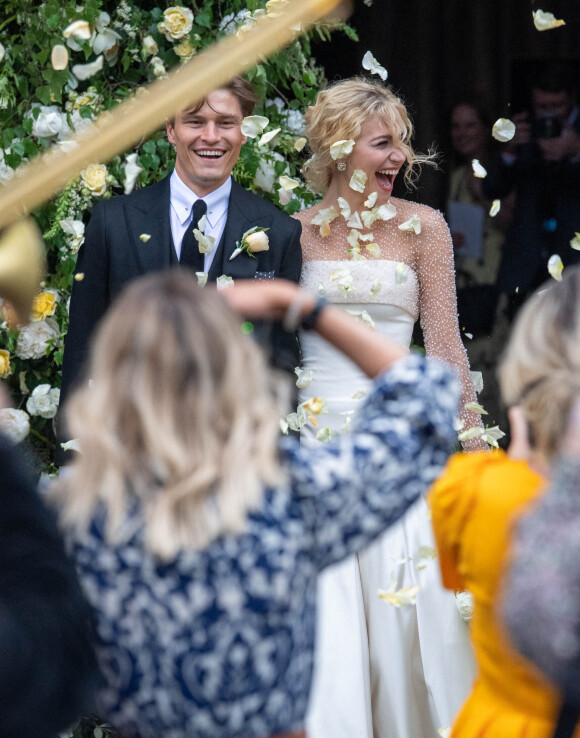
381	671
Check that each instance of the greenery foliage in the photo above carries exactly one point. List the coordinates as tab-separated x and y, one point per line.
42	106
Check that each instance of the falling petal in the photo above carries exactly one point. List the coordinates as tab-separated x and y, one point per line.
555	267
478	170
426	552
364	317
369	217
468	335
374	249
546	21
252	125
492	435
72	445
495	206
85	71
324	219
470	433
400	273
201	223
325	434
287	183
358	180
575	242
400	598
359	395
371	64
132	171
503	130
354	221
79	276
458	424
344	208
475	407
367	237
2	52
300	143
413	224
376	288
371	200
313	405
386	211
284	196
78	29
303	377
267	137
341	149
345	427
59	57
144	237
284	426
352	239
477	381
201	278
205	243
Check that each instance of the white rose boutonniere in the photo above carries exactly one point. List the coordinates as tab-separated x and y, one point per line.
252	242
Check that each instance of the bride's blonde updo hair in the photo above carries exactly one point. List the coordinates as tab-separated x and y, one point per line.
540	370
177	417
339	114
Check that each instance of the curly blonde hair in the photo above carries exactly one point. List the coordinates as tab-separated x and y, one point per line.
339	113
177	416
540	370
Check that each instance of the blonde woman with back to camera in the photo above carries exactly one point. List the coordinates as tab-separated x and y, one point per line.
197	533
477	502
383	670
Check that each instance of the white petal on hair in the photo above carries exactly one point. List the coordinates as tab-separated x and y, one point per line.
267	137
503	130
555	267
546	21
358	180
341	149
494	209
371	64
252	125
478	170
85	71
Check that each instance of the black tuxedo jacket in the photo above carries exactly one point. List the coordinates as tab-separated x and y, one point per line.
113	254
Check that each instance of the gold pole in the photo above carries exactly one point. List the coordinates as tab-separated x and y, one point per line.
117	130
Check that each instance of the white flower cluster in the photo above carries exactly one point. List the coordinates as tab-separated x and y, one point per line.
34	339
265	177
14	423
293	119
229	23
43	401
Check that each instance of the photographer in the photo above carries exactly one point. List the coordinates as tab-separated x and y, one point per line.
541	164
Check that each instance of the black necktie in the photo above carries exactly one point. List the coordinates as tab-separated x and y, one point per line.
190	254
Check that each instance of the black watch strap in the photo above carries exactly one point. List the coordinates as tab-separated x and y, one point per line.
309	321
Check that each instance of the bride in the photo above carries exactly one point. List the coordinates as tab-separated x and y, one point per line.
385	669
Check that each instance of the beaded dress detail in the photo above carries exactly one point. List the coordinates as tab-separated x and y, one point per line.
384	671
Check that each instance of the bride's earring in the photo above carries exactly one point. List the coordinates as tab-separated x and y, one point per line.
341	166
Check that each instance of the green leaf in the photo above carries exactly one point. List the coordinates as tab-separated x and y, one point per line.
309	77
43	94
85	112
350	32
203	19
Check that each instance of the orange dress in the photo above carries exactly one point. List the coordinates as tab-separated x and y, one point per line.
473	507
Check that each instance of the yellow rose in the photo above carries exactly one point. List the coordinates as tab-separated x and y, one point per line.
176	23
5	368
94	178
257	242
184	49
44	305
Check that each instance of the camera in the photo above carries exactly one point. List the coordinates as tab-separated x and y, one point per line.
547	126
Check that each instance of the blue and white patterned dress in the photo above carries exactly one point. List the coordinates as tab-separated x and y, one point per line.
219	642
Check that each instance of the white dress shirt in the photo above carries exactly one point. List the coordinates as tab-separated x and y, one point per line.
182	199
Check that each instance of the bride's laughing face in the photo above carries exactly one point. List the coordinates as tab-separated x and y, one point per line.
379	156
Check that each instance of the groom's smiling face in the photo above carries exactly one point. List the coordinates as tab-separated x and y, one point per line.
207	141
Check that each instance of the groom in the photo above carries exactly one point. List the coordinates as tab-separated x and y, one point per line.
152	229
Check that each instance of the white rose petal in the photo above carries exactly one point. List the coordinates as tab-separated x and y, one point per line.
2	52
324	219
478	170
59	57
341	149
14	423
300	143
267	137
555	267
575	242
72	445
386	211
369	217
252	125
477	381
287	183
475	407
205	243
132	170
325	434
465	603
344	207
303	377
371	64
78	29
546	21
413	224
364	317
444	732
359	395
470	433
494	209
75	229
34	339
354	221
401	597
503	130
85	71
492	435
371	200
374	249
376	287
358	180
401	273
201	278
284	196
145	237
224	282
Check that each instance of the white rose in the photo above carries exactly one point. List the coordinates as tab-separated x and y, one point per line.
76	230
94	178
43	401
51	123
150	45
14	423
257	242
464	601
33	339
176	23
